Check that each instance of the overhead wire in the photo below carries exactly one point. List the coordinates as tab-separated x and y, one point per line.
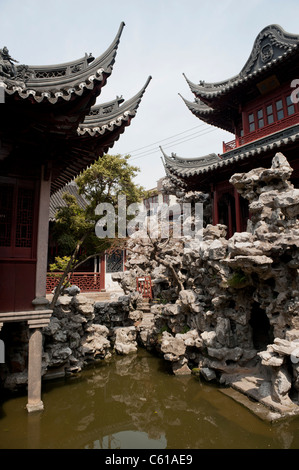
167	138
168	145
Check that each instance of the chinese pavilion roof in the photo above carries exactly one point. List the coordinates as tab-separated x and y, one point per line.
62	81
57	201
205	170
98	132
49	115
275	52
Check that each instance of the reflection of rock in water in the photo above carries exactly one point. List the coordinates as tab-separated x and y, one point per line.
102	408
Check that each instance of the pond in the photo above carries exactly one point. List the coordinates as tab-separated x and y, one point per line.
134	402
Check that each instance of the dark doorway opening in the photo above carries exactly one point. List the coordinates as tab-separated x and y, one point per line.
227	212
262	331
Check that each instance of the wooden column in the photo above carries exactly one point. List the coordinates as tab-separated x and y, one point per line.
103	273
230	220
238	211
215	206
40	302
42	236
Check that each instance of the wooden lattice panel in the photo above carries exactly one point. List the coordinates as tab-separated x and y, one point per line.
6	208
144	286
87	282
25	210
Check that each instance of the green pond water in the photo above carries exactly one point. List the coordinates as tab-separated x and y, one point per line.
134	402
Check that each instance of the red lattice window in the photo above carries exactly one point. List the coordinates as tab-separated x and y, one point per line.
6	208
17	208
25	210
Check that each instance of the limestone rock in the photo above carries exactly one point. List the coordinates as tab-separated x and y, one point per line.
208	374
125	340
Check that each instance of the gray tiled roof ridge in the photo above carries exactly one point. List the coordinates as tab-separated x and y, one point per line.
287	42
63	80
273	141
98	123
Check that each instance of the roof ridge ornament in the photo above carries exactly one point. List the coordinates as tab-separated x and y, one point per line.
9	70
273	43
7	67
268	45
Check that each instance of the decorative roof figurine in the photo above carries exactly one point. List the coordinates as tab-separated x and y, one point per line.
7	67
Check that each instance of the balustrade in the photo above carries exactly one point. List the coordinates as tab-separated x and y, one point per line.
87	282
263	132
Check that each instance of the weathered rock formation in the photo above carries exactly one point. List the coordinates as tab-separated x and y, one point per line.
238	298
225	308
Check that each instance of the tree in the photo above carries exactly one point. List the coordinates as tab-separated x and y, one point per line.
74	230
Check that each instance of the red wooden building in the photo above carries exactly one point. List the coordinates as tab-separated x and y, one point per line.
95	274
50	130
259	106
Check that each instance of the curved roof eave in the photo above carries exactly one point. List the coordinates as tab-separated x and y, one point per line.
176	166
208	115
288	44
202	162
91	143
98	124
63	80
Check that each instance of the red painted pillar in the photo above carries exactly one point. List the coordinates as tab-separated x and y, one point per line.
230	220
238	211
103	273
215	206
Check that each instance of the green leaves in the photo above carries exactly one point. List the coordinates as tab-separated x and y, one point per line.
107	178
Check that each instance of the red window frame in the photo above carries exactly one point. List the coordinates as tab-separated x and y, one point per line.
257	115
18	238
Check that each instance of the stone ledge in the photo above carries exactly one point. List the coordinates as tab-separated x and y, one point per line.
35	407
35	318
248	386
260	410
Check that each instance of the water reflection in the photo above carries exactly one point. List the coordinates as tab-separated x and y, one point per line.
129	440
133	402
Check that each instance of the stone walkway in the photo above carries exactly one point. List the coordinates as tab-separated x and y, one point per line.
108	296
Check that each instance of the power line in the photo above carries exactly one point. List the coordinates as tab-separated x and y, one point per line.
184	139
163	140
151	152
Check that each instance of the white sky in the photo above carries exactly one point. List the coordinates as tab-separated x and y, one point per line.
207	40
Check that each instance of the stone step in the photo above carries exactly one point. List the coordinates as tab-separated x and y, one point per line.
145	307
98	296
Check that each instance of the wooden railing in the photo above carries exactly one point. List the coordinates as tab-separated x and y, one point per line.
144	286
87	282
263	132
